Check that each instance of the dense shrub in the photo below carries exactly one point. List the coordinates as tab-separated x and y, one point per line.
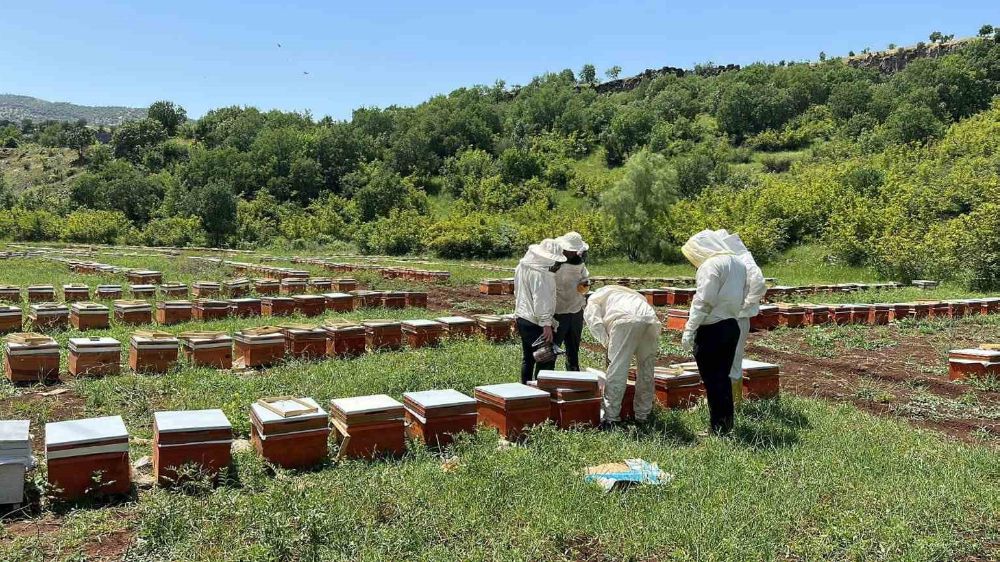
476	235
402	232
97	227
30	225
174	231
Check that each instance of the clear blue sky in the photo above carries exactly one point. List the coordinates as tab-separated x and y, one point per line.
214	53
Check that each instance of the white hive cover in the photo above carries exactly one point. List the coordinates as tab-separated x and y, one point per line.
421	323
189	420
244	300
267	416
439	398
454	320
512	391
94	343
750	364
577	376
366	404
79	432
338	295
983	353
14	432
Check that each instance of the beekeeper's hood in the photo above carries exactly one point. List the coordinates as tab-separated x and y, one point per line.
704	245
543	255
732	241
573	242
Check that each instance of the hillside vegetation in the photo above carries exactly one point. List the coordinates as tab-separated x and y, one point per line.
898	171
18	108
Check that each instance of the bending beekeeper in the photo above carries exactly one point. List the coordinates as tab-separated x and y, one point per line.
751	306
535	301
572	284
712	331
624	323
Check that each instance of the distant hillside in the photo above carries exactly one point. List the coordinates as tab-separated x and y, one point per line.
15	108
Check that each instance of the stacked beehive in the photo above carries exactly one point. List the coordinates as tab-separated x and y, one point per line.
368	426
512	407
152	352
575	397
15	460
496	328
196	440
259	347
304	341
383	334
96	356
31	358
108	292
436	416
88	457
344	339
133	312
206	289
76	292
41	293
207	349
173	312
289	432
48	316
11	319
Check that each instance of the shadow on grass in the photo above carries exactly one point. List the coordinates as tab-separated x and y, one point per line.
769	424
670	425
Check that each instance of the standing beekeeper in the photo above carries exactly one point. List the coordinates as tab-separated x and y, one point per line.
624	323
535	301
572	282
712	331
751	306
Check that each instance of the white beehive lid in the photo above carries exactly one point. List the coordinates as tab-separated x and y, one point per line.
95	344
750	365
575	376
267	416
439	398
174	304
512	391
338	295
14	434
455	320
366	404
82	432
190	420
420	323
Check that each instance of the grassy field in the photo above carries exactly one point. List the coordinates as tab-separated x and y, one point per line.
805	477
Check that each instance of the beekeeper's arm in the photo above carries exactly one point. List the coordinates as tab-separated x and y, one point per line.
706	296
755	289
543	291
593	315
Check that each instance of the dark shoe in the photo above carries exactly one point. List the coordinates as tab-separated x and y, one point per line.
607	425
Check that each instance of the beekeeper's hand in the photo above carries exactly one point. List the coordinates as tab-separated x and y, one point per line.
547	333
687	340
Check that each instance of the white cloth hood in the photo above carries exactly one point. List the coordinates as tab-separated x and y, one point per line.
543	255
704	245
573	242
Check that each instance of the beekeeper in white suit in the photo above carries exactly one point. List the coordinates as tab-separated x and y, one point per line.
712	331
751	306
624	323
572	281
535	301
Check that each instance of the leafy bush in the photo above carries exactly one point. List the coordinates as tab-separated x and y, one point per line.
475	235
174	231
97	227
776	164
402	232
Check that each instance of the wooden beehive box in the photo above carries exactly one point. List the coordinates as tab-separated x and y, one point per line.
11	319
511	408
383	334
41	293
48	316
206	289
290	432
108	292
345	339
210	309
133	312
436	416
173	312
422	333
339	302
258	347
96	356
368	426
304	341
88	457
152	352
75	292
245	307
193	438
30	358
277	306
207	349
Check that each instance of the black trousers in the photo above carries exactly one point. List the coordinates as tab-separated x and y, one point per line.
568	336
714	348
530	332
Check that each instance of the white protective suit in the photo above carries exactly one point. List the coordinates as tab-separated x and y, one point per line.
568	299
751	304
624	323
535	285
721	283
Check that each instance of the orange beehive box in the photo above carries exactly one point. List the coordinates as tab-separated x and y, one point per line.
210	309
575	397
97	356
304	341
345	339
145	276
974	307
344	285
760	380
496	328
791	316
48	316
508	286
201	439
902	311
965	363
840	314
293	286
383	334
10	293
108	292
436	416
817	315
677	319
422	333
290	432
143	291
206	289
368	426
277	306
511	408
309	305
30	358
339	302
656	297
11	319
991	305
679	295
416	299
207	349
860	313
394	299
87	457
174	290
767	318
458	326
491	287
258	347
173	312
879	314
152	352
133	312
236	288
320	285
366	299
75	292
266	286
41	293
245	307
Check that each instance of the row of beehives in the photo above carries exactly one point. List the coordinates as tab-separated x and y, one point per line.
90	457
668	296
387	272
96	316
798	315
505	286
33	357
200	289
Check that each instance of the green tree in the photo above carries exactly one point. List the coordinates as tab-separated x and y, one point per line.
133	138
170	115
639	203
986	30
613	72
79	138
215	205
588	75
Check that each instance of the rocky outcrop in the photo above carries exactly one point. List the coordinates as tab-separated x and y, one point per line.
894	60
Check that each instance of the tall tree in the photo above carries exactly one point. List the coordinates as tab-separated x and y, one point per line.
168	114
